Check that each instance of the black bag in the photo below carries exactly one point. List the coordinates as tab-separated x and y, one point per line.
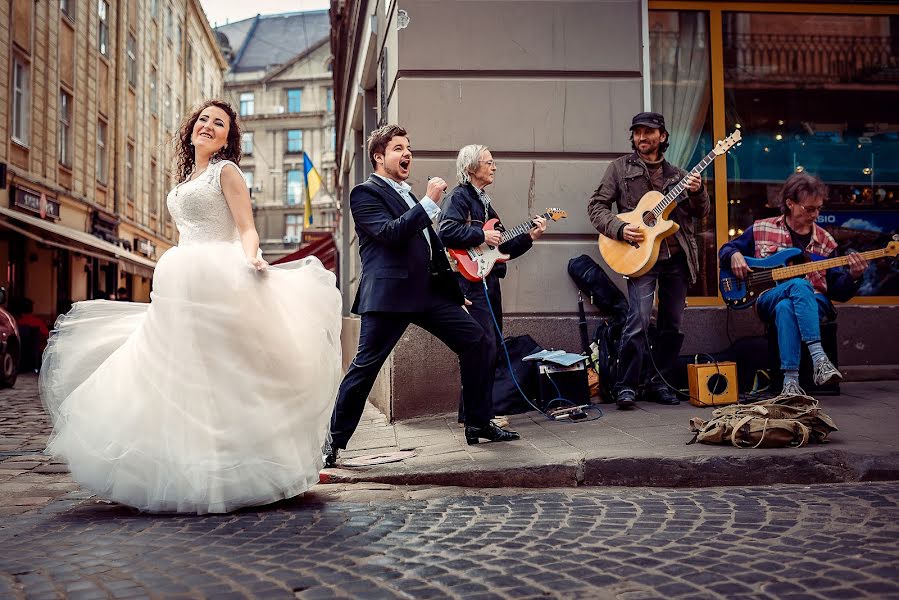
507	399
607	339
591	279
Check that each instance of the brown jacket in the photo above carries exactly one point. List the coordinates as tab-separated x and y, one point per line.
625	182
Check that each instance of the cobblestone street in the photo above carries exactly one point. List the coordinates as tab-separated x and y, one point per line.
380	541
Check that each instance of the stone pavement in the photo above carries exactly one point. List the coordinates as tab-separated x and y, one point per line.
785	542
643	447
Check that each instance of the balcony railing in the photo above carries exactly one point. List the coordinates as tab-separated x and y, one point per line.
778	58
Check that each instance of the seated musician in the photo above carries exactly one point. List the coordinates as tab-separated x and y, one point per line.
797	305
463	216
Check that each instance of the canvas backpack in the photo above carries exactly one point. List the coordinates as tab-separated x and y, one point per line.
783	421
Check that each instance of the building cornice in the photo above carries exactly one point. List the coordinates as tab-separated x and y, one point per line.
210	35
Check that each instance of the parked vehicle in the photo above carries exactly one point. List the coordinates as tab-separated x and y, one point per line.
10	346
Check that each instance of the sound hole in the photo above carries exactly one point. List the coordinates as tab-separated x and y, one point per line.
649	219
717	384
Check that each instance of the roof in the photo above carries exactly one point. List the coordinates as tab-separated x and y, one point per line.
266	41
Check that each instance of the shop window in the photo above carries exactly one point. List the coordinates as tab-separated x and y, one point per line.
681	91
817	93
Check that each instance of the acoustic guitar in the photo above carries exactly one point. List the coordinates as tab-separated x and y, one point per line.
476	263
633	259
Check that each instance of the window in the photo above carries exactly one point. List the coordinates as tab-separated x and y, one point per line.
129	171
248	177
189	61
832	62
246	104
203	78
101	152
329	99
154	189
294	100
167	107
68	8
169	21
332	138
680	78
178	40
132	61
21	101
65	129
103	28
246	142
294	140
293	228
294	187
154	97
154	8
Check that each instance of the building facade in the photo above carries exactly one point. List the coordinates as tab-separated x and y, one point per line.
93	94
280	80
551	86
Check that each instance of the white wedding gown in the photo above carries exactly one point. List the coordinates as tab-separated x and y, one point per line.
217	394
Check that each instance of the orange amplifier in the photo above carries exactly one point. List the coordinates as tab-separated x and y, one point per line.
713	384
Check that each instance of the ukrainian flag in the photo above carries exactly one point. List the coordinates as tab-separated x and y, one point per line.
313	184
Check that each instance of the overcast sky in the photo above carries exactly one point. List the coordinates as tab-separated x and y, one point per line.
220	12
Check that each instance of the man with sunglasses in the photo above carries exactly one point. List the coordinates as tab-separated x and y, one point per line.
797	305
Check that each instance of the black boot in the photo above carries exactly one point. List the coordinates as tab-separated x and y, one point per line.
489	432
329	455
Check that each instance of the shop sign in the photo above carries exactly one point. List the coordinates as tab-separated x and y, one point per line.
145	247
37	202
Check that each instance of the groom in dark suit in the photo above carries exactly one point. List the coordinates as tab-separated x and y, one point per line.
406	278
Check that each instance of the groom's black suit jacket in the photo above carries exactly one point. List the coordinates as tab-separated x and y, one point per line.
400	273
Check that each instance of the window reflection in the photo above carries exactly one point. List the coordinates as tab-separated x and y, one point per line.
817	93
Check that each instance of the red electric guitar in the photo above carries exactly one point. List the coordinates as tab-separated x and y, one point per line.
475	263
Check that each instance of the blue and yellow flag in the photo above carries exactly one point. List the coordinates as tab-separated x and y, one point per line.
313	184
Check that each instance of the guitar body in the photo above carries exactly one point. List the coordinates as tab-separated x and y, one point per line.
633	260
742	293
475	263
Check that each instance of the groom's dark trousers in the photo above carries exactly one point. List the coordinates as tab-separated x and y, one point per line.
407	280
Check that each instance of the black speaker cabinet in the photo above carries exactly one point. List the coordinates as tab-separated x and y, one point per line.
556	381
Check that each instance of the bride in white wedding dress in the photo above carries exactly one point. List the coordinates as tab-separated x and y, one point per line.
217	394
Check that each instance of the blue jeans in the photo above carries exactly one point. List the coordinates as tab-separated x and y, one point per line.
673	277
797	311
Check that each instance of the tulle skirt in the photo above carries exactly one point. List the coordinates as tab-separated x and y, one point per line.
216	395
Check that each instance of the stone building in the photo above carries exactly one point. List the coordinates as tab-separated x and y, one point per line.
551	85
92	93
280	80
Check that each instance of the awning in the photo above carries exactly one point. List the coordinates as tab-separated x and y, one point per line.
324	249
66	238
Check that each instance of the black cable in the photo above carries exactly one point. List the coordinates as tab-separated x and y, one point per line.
558	398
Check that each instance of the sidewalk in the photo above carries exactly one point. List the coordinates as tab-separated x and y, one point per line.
643	447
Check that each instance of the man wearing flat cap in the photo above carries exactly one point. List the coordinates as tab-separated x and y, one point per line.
626	180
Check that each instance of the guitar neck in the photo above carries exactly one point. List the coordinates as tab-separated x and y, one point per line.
821	265
523	228
678	189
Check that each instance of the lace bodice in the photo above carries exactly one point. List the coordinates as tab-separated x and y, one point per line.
199	208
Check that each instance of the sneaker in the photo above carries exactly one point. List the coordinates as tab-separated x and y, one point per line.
791	388
825	372
626	399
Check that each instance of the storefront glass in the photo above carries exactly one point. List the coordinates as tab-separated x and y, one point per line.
817	93
681	90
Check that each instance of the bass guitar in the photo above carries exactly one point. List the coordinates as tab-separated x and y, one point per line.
768	272
633	259
476	263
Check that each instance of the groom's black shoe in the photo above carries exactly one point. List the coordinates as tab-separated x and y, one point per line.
489	432
329	455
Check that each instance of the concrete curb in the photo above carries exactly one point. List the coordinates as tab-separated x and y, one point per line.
824	466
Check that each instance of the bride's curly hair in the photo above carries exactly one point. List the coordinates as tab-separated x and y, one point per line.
185	149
